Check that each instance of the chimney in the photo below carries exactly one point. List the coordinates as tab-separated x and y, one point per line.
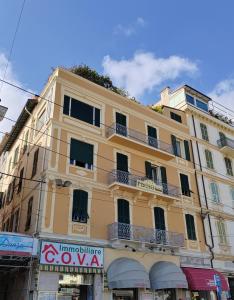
165	96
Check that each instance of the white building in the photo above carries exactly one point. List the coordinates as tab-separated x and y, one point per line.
212	135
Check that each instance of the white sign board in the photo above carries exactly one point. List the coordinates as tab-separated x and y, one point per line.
71	255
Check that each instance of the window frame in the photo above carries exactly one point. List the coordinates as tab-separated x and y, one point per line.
28	222
214	192
188	193
191	232
229	168
80	217
209	159
222	232
80	163
35	162
204	132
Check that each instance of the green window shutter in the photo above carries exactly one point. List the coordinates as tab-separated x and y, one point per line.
159	218
204	132
190	227
185	185
148	170
123	211
187	152
80	206
173	142
122	162
121	119
228	164
81	151
164	179
209	159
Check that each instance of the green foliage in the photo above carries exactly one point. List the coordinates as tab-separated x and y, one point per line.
157	108
102	80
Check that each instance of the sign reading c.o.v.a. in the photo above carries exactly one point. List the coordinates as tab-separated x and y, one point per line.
71	255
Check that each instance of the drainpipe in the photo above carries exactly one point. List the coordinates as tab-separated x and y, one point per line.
211	247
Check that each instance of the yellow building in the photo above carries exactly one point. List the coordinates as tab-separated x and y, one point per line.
96	177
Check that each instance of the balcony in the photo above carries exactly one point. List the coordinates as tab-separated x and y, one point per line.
142	184
151	236
226	145
131	138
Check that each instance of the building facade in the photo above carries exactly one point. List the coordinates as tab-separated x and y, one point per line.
212	132
97	178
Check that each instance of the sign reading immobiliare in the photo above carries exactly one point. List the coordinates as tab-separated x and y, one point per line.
71	255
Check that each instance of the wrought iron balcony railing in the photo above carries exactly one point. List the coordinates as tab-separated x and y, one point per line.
122	231
143	183
225	142
137	136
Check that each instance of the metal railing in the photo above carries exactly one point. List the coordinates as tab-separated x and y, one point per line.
225	142
122	231
132	134
144	183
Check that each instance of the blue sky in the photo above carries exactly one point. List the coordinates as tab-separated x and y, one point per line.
143	45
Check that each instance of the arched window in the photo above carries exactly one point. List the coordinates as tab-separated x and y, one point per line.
191	232
159	218
80	206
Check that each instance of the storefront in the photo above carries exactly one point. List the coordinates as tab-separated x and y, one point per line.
206	284
17	256
70	272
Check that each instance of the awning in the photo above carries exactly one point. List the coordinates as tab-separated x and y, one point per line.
166	275
127	273
203	279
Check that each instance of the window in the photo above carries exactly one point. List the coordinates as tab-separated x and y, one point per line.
228	164
175	117
184	182
26	136
20	181
9	166
35	161
223	139
190	99
29	214
232	192
16	221
204	132
8	195
40	121
121	124
221	232
1	199
124	230
81	154
214	192
191	232
159	218
153	172
202	105
180	147
152	136
81	111
13	188
122	168
80	206
16	156
209	159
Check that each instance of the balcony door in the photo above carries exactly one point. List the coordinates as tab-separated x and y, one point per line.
121	124
123	219
159	221
122	168
152	137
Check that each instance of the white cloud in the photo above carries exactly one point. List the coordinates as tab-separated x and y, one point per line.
11	97
223	93
130	29
145	71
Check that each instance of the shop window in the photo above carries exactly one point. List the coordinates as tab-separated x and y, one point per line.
209	159
81	111
180	147
175	117
20	180
184	182
159	218
29	214
167	294
152	136
214	192
35	162
191	232
121	124
80	206
81	154
221	232
228	164
204	132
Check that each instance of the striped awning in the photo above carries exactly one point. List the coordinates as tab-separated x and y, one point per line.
66	269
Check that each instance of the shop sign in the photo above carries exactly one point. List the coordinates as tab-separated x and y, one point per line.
16	244
71	255
148	185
